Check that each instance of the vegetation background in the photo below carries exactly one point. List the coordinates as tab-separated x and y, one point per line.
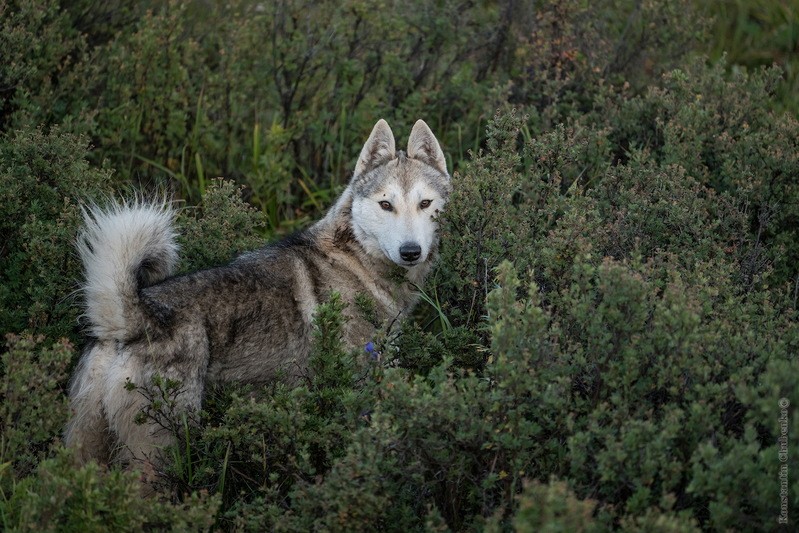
613	322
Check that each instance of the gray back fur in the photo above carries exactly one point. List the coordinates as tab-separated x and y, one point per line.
249	321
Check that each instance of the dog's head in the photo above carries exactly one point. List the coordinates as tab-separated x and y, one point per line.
397	196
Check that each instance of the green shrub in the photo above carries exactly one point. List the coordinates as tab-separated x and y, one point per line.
721	131
40	48
267	95
757	34
218	229
620	363
63	497
32	407
420	351
45	177
604	344
552	508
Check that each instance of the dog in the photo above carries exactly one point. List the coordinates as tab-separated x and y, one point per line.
250	321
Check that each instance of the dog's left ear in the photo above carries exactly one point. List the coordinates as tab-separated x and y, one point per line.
423	146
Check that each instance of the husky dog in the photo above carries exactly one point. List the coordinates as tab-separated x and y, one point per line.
251	320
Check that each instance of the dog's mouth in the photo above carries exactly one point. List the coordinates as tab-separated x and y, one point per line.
403	263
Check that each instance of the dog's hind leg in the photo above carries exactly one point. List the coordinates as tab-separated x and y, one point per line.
87	431
144	429
140	438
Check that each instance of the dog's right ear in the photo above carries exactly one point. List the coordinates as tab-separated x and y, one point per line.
378	150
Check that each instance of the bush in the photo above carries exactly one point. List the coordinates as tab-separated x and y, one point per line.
62	497
721	131
605	344
40	49
45	178
551	507
218	229
33	407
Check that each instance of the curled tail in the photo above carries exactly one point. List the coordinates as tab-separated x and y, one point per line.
124	248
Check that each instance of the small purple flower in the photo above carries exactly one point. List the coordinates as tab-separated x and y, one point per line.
370	349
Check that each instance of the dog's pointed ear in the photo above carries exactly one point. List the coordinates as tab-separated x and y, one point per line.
378	149
423	146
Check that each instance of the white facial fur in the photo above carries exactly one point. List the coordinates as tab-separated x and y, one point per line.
382	233
403	228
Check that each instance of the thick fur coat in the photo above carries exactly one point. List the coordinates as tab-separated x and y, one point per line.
251	320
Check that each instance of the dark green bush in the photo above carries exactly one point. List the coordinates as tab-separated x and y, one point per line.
268	96
44	177
759	33
603	345
721	131
63	497
551	507
32	406
619	364
218	229
40	50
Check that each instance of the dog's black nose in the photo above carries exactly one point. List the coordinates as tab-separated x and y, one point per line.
410	251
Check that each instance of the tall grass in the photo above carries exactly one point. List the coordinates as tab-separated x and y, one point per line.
755	33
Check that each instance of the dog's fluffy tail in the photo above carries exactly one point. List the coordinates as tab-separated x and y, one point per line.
124	248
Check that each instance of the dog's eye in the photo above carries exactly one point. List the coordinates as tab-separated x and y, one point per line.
386	206
424	204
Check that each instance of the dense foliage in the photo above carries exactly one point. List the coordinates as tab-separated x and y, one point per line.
610	334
